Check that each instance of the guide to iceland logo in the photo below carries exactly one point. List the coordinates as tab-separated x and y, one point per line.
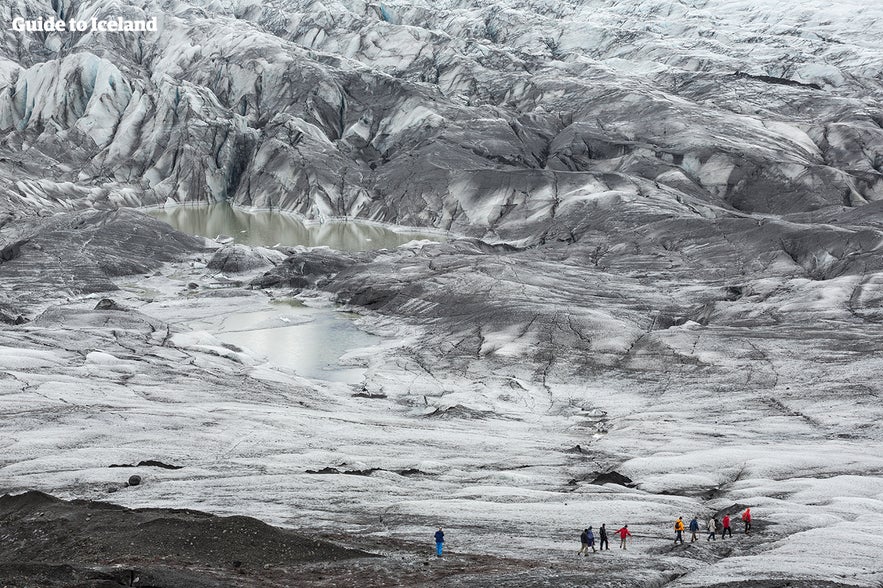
111	25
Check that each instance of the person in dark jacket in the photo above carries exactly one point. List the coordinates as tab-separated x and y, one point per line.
694	530
602	537
439	542
584	543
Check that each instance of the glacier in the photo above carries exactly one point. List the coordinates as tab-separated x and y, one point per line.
663	260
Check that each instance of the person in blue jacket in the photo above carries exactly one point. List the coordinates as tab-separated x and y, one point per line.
439	542
587	539
591	537
694	530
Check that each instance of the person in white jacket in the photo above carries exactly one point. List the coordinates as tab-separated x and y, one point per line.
712	529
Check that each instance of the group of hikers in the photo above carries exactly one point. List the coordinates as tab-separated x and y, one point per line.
587	537
712	526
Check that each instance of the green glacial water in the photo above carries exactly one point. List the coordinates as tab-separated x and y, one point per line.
267	228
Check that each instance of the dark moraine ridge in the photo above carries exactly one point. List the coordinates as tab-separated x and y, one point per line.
47	541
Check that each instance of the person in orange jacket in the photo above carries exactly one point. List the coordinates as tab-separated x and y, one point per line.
679	530
746	518
623	533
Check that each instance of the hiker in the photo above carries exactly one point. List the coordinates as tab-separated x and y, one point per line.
726	525
694	529
679	530
439	542
584	543
712	529
602	534
623	533
591	537
746	518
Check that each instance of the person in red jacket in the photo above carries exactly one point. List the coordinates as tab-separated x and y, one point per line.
726	525
746	518
623	533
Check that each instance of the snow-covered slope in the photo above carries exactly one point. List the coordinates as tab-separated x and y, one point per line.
482	117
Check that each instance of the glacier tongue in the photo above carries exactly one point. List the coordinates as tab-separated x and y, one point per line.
409	112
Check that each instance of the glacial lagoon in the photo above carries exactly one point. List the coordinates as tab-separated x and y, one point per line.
268	228
309	340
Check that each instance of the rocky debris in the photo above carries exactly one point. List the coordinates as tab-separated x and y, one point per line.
108	304
239	258
371	395
80	253
458	411
304	269
777	80
367	472
613	477
134	480
130	319
733	293
12	320
331	470
102	544
411	472
372	298
227	290
11	251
